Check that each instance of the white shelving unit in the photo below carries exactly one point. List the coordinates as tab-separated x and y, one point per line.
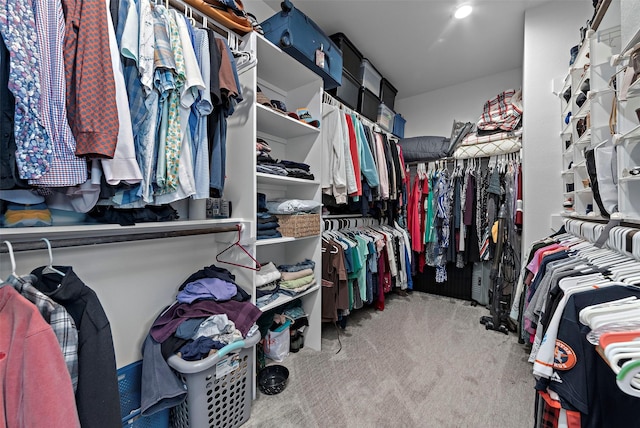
136	279
628	147
282	78
588	126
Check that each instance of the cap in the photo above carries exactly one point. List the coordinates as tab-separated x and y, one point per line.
282	108
306	117
262	98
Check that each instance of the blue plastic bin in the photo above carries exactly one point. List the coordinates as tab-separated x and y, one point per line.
398	125
129	385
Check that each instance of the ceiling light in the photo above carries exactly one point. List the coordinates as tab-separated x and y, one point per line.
463	11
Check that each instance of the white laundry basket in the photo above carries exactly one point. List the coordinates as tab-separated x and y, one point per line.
219	387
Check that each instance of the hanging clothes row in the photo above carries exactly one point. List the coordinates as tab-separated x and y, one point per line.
453	207
575	295
131	113
360	264
363	167
58	343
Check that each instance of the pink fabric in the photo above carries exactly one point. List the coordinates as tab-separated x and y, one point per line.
35	386
353	148
534	265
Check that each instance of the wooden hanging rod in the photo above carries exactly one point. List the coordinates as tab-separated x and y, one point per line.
95	240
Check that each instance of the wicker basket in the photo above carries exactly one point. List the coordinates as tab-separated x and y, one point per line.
298	225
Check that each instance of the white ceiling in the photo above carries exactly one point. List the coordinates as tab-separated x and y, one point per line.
418	45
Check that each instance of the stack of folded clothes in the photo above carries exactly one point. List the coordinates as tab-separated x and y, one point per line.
296	278
262	148
27	215
268	165
267	224
267	284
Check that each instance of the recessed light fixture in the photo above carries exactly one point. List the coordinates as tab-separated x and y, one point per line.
463	11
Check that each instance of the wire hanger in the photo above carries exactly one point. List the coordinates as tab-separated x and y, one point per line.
49	268
238	244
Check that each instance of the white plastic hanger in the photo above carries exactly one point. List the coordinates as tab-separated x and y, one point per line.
598	320
12	258
587	312
49	268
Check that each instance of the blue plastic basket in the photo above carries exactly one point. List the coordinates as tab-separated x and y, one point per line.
398	125
129	385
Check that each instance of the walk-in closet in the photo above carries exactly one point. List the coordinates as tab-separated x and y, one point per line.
286	213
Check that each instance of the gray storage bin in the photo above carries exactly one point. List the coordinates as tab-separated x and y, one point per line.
370	78
481	282
219	387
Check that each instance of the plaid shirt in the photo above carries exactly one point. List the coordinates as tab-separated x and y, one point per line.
502	112
57	316
552	412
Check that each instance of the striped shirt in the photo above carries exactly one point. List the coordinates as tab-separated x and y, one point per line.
57	317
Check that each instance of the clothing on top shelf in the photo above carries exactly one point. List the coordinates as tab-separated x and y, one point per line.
266	164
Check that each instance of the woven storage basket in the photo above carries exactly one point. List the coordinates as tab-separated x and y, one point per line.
298	225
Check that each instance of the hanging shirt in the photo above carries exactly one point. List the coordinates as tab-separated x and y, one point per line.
34	147
367	164
202	108
192	85
352	186
91	98
383	173
124	165
334	174
66	169
353	149
168	179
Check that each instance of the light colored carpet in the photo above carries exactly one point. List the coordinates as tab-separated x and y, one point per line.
425	361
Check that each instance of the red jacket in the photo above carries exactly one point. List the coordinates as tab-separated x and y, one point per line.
35	386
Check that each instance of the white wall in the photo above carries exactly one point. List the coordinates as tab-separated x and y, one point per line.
260	9
432	113
550	32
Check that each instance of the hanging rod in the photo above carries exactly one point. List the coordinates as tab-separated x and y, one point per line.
327	98
88	241
335	216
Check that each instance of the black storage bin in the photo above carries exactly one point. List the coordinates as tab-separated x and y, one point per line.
388	93
368	104
351	56
348	92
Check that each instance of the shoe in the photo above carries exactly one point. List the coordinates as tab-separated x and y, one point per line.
585	87
574	54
